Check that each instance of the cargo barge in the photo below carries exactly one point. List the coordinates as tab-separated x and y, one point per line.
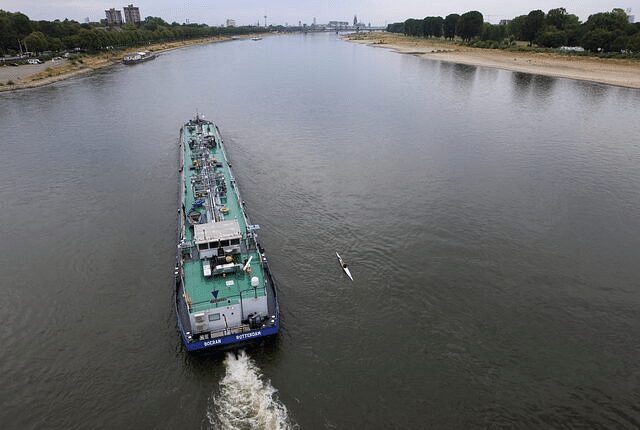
225	293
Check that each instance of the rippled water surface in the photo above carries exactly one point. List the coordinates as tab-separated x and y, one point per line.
490	220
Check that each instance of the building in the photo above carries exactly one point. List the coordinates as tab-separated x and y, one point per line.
131	14
231	22
338	24
114	17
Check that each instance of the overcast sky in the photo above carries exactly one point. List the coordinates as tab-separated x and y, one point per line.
281	12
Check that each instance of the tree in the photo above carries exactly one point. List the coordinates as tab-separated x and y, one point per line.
13	27
607	32
55	44
449	25
634	43
493	32
469	25
533	25
557	18
36	42
598	40
414	27
396	27
151	23
610	21
21	24
516	27
433	26
551	37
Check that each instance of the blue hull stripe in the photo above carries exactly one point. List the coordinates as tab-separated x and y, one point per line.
230	339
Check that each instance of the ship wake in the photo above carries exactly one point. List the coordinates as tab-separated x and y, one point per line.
244	400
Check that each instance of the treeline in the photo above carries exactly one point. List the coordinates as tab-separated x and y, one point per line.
18	33
606	32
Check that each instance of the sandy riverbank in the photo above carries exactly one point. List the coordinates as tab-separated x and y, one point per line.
36	75
625	73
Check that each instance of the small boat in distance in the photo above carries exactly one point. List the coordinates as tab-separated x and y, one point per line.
138	57
256	38
344	266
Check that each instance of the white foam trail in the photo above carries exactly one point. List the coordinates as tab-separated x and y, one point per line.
245	401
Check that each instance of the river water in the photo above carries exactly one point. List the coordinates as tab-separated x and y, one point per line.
490	220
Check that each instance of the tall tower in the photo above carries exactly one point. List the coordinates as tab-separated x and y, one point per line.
355	19
114	17
131	14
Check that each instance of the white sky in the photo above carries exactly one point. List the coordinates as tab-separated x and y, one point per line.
281	12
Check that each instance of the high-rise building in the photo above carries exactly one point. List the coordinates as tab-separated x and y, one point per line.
131	14
114	17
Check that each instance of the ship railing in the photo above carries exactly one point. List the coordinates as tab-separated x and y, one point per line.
242	328
246	294
186	246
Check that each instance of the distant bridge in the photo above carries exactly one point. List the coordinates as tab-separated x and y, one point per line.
345	29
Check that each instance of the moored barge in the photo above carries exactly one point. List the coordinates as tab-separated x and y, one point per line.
138	57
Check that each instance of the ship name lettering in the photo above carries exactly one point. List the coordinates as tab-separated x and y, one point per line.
247	335
212	342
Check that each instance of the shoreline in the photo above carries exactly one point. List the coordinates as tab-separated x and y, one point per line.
617	72
33	76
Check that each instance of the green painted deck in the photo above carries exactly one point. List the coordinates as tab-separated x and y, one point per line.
222	289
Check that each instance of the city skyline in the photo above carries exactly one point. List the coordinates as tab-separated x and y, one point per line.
289	12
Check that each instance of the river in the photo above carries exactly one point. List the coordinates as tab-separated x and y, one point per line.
490	220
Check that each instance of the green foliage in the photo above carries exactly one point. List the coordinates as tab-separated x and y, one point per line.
469	25
449	25
533	25
151	23
633	44
516	27
610	21
561	20
396	27
495	33
607	32
14	27
433	26
414	27
551	37
36	42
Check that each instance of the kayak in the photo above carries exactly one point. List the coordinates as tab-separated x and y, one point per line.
344	266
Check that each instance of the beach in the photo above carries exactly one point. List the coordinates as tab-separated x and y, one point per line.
36	75
620	72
